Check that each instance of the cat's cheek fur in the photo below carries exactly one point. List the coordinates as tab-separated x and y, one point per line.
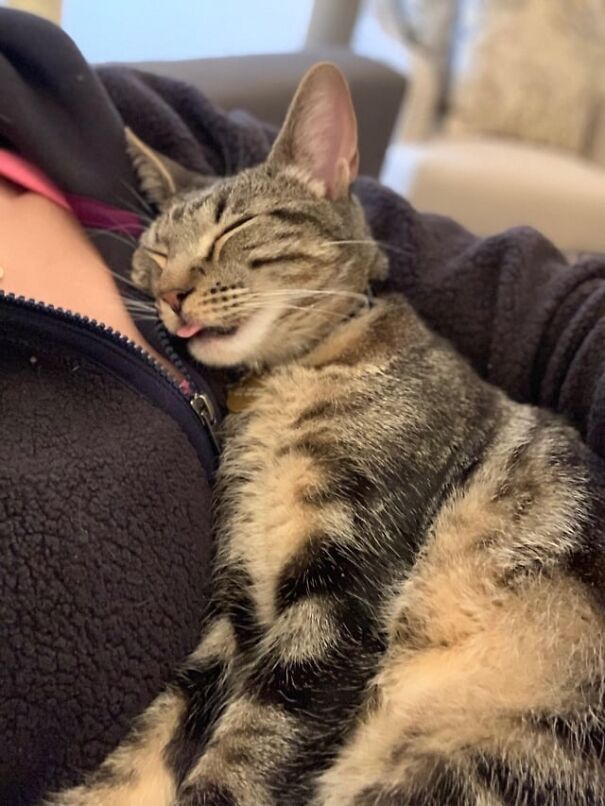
245	346
170	319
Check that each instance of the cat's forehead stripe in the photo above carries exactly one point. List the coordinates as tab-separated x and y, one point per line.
207	241
228	233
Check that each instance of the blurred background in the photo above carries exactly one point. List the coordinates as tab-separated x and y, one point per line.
490	111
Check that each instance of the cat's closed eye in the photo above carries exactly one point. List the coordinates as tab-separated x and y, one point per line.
159	257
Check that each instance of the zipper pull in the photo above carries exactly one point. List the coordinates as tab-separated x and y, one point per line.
204	408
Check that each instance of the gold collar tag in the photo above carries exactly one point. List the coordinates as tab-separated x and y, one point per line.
242	396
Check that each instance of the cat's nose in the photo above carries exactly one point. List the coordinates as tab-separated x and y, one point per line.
175	299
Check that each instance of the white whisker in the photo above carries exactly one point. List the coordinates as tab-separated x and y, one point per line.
140	198
333	314
139	306
354	241
377	244
142	308
111	234
130	283
259	305
303	292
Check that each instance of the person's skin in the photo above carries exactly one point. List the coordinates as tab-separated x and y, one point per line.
45	255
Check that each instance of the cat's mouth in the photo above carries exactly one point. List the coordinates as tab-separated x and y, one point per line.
201	332
231	343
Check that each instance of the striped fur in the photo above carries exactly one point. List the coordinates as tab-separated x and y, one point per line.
408	600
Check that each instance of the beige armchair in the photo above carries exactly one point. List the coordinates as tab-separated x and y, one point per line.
489	183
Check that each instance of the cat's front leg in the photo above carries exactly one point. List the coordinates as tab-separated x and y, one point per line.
301	696
242	760
165	742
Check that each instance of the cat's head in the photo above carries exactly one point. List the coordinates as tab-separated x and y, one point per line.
256	268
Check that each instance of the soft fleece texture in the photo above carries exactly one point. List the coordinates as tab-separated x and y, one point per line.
74	577
104	557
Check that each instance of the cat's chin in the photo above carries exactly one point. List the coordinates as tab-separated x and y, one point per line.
243	346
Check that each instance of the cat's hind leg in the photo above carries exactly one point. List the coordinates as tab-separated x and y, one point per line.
493	695
148	767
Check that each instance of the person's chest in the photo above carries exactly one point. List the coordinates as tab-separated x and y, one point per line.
46	256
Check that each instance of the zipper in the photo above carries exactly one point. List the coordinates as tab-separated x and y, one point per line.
202	405
201	401
198	402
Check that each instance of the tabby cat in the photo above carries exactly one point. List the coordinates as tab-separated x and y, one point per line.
408	602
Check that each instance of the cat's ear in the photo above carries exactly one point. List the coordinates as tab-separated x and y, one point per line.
160	177
320	131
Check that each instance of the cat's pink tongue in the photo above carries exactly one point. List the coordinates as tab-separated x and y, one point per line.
187	331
